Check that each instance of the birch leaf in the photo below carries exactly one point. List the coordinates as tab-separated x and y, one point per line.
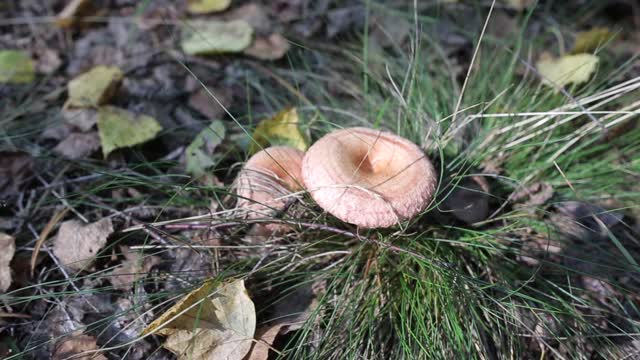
120	128
568	69
281	129
208	37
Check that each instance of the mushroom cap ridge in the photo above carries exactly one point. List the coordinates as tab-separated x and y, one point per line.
370	178
268	175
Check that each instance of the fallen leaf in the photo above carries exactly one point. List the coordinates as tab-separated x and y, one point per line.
568	69
78	244
207	6
215	37
589	41
16	67
469	201
48	60
281	129
199	154
69	15
81	118
216	323
585	212
95	87
254	14
202	101
132	268
7	249
265	338
74	347
16	167
120	128
534	195
273	47
78	145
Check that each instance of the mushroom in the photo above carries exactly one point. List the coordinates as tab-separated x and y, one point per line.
267	178
370	178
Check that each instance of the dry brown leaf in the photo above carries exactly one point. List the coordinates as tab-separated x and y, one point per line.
212	322
272	47
534	195
77	244
68	17
132	268
83	119
7	249
75	346
48	60
264	341
78	145
202	101
44	234
15	169
255	15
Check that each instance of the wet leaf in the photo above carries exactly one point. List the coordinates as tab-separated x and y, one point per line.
94	87
16	67
7	249
207	6
74	346
78	244
119	128
16	167
69	15
134	267
272	47
199	154
78	145
589	41
281	129
569	69
211	322
215	37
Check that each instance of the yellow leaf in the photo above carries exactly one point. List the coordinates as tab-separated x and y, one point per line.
16	67
201	37
518	4
281	129
209	323
207	6
120	128
588	41
95	87
568	69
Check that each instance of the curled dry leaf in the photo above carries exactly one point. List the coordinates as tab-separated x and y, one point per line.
77	244
119	128
78	145
569	69
202	101
254	14
16	167
7	249
582	220
132	268
209	37
272	47
94	87
81	347
16	67
212	322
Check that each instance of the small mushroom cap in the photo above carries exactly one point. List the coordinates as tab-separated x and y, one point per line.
267	177
370	178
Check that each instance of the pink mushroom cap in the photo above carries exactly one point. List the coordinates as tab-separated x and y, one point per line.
370	178
267	178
